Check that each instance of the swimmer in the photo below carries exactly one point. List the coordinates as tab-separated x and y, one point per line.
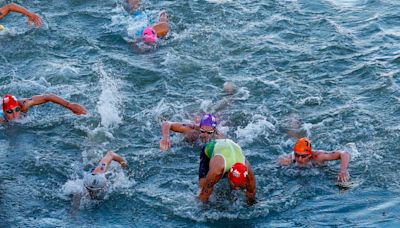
220	157
12	107
205	131
96	182
12	7
303	155
148	34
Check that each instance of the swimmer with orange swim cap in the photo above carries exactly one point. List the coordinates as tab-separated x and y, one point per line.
203	131
303	155
12	7
13	108
222	157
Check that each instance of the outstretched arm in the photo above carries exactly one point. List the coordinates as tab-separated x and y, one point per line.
344	157
107	159
12	7
41	99
165	143
213	176
116	157
251	185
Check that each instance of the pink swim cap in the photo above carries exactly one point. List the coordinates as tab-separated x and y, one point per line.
149	35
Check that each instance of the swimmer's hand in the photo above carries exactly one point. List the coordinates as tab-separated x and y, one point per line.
77	108
34	19
343	176
165	144
124	164
285	160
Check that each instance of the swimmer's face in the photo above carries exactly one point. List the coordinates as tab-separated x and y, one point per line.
206	133
13	113
302	159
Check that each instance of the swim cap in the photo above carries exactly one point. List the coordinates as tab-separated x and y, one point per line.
208	120
303	146
9	102
149	35
238	174
94	181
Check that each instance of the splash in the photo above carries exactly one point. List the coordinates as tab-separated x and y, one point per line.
258	126
109	102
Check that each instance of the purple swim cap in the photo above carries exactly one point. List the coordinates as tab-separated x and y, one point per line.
208	120
149	35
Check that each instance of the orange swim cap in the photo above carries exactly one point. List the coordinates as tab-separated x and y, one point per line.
303	146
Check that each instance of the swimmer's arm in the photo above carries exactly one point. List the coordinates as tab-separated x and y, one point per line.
286	160
116	157
12	7
165	142
344	157
251	185
41	99
212	178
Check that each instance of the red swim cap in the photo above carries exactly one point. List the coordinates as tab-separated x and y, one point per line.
9	102
303	146
238	174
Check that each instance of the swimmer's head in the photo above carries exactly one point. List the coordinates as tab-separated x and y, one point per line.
303	146
208	120
95	183
133	4
238	175
9	102
11	107
149	35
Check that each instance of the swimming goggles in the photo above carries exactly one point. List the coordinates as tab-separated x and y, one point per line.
10	111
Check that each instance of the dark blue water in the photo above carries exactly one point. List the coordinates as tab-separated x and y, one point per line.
324	69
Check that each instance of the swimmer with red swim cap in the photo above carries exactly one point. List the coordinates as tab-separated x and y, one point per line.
204	131
13	108
303	155
222	157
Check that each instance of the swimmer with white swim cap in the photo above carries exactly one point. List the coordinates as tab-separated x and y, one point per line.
12	7
96	182
303	155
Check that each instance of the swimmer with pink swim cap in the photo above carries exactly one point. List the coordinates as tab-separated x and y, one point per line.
203	132
149	35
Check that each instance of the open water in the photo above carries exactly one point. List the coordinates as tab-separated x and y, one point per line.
326	69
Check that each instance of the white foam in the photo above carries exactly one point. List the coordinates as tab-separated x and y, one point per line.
219	1
258	126
72	187
109	102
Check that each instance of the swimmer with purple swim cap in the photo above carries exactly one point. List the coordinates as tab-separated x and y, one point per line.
205	131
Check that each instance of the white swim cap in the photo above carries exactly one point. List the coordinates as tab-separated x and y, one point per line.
94	182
